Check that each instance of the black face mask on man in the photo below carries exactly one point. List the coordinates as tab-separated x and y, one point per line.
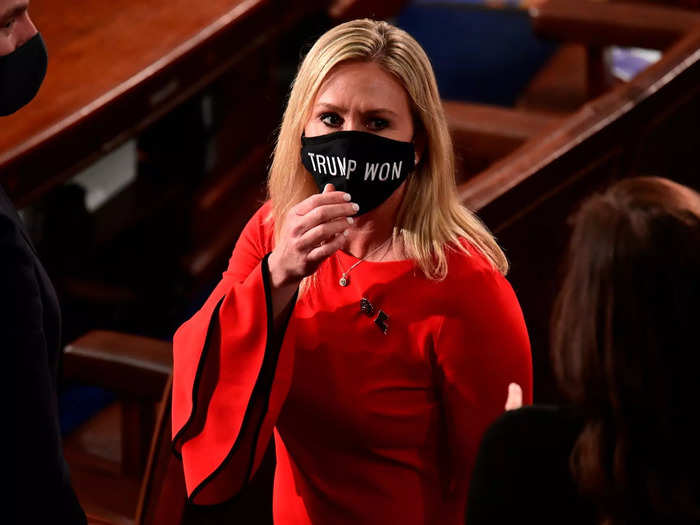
367	166
21	75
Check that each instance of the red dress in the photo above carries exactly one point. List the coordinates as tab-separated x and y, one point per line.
369	427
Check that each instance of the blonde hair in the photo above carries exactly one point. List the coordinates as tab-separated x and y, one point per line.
430	217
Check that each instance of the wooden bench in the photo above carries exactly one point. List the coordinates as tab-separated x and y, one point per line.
117	67
196	88
577	73
140	369
649	125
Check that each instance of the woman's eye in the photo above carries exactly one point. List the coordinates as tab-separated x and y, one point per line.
331	119
377	124
8	24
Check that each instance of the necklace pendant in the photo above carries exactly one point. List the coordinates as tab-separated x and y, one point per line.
343	281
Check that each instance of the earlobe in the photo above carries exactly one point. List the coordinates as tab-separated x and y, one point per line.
418	146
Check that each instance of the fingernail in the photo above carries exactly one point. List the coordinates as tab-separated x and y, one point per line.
355	207
347	197
346	232
350	220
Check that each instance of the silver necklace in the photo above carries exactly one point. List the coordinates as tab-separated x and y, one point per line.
345	277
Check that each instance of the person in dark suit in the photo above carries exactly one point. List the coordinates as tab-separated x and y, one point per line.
30	323
625	354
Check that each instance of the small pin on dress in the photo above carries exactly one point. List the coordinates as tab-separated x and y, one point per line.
366	307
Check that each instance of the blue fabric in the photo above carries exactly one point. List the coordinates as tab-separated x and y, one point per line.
78	403
479	55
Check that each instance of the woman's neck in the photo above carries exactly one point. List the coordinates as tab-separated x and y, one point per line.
371	234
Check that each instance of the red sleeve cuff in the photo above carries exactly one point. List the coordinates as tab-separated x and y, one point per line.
231	376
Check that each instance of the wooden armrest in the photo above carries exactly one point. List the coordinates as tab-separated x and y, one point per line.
132	365
604	23
484	134
494	131
531	164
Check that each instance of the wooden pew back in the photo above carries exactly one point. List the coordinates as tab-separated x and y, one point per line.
650	125
163	494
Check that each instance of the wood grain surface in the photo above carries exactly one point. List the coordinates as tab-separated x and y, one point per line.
115	67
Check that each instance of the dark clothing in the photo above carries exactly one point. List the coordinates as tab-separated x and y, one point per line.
30	339
522	471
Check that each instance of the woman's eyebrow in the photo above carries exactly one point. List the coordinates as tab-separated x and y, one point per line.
381	110
333	107
330	107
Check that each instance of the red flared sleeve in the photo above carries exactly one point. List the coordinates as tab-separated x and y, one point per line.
231	374
482	346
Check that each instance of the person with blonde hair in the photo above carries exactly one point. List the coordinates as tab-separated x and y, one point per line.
364	319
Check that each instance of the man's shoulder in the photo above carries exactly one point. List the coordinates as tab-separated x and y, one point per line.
6	206
9	229
15	252
8	215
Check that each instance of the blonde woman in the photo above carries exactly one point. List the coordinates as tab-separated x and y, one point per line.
364	319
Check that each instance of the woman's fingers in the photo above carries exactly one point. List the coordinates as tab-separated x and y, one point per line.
320	199
326	249
323	215
323	233
515	397
315	229
321	208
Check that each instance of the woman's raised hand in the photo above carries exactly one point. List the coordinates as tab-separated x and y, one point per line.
313	230
515	397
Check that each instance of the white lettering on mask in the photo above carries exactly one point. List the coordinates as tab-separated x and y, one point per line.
371	170
321	160
331	162
384	175
351	166
383	170
334	166
313	163
396	171
342	166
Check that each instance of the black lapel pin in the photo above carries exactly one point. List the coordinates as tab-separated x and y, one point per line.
366	307
380	321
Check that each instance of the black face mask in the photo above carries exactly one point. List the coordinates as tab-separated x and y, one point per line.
21	75
368	167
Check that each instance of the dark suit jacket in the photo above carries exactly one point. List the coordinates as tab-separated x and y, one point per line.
30	340
522	472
